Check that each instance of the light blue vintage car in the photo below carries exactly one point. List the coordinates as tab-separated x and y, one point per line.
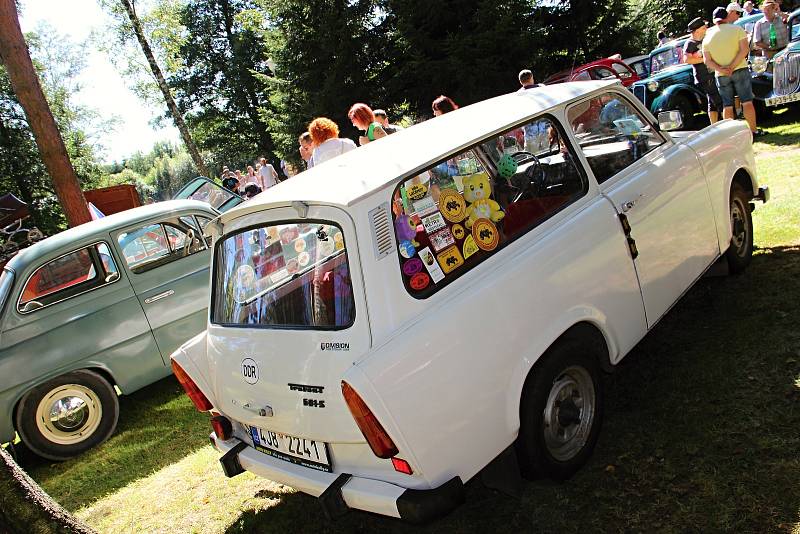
93	311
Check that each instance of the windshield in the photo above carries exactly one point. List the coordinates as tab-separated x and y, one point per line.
6	283
293	274
794	27
666	58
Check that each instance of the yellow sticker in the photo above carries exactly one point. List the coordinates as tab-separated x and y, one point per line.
485	233
416	191
470	247
450	259
458	231
452	205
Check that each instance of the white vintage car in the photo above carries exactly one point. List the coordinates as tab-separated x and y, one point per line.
442	302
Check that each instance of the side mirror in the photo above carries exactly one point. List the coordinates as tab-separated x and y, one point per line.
670	120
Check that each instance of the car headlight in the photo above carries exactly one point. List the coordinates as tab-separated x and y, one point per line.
759	64
652	86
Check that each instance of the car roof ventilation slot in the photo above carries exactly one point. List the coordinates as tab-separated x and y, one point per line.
382	235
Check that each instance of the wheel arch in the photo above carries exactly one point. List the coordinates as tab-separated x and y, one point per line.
586	331
744	179
667	98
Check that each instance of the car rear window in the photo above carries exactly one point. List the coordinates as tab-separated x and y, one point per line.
291	275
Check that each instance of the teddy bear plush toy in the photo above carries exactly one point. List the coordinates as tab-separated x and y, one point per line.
477	191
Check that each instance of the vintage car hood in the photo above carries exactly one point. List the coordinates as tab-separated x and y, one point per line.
669	72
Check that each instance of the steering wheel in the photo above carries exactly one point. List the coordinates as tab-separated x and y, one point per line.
531	179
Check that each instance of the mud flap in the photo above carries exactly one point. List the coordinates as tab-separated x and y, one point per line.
502	473
230	461
331	500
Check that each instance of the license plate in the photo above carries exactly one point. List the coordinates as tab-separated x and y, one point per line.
300	451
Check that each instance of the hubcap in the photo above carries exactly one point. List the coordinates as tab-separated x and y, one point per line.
69	414
738	227
569	413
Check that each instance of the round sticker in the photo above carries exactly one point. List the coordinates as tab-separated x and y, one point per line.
250	370
419	281
303	258
326	247
300	245
485	234
452	205
406	249
412	266
292	266
458	231
416	191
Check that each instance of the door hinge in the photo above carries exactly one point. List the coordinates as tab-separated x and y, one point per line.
626	228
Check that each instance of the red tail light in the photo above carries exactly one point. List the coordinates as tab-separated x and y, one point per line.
379	441
222	427
200	401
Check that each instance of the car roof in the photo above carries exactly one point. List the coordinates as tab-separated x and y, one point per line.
101	227
345	179
635	59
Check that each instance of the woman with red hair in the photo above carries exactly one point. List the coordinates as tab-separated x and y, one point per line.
443	104
363	118
326	142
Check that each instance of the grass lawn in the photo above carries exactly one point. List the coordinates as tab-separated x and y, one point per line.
702	427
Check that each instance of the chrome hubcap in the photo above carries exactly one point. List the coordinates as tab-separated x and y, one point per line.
738	227
569	413
69	414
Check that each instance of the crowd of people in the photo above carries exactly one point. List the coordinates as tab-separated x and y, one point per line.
718	55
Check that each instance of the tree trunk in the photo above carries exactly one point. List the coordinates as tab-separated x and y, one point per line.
25	507
25	83
177	117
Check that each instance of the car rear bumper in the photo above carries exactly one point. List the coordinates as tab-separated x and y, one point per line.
340	492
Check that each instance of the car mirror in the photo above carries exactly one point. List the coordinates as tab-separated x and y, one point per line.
31	305
112	277
670	120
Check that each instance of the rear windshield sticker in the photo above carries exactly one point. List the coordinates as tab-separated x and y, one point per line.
433	223
458	231
430	265
412	266
406	249
424	206
299	245
450	259
442	239
485	234
416	191
405	229
470	247
452	205
419	281
303	258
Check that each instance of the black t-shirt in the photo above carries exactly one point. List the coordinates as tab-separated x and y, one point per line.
701	72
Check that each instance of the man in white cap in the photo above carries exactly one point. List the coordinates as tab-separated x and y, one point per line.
734	12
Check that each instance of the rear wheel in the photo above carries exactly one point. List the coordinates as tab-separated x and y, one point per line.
561	412
68	415
740	251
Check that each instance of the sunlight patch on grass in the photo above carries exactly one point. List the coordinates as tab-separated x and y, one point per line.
192	495
776	222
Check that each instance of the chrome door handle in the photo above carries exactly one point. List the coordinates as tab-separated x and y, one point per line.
628	206
160	296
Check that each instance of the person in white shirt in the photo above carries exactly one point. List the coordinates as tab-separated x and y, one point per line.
266	177
327	143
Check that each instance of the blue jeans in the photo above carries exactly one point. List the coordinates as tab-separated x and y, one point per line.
737	83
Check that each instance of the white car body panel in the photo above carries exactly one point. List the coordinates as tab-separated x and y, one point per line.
444	374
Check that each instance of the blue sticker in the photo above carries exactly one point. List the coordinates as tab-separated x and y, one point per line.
254	434
406	249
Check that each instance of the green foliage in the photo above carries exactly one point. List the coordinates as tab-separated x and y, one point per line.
157	174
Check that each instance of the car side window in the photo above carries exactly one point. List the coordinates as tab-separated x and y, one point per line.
582	76
158	244
602	73
611	133
621	70
204	222
67	276
455	214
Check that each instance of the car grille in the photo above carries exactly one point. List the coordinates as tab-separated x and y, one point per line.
786	75
640	92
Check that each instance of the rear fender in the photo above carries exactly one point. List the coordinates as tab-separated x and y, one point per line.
191	356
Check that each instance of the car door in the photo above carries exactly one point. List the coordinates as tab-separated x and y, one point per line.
658	187
167	262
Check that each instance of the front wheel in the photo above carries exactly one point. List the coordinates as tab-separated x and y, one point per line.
684	106
561	412
68	415
740	251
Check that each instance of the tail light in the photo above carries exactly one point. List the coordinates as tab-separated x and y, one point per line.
222	427
401	466
200	401
379	441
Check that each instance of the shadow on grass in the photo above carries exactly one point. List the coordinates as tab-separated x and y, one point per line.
158	426
700	431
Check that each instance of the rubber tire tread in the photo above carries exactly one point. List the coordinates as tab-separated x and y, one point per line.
737	264
26	413
534	460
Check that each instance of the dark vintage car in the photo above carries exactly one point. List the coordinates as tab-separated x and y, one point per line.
671	83
786	68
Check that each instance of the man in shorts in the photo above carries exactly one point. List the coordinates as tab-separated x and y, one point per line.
725	50
693	55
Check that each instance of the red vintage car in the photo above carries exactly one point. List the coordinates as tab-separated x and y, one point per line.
603	69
